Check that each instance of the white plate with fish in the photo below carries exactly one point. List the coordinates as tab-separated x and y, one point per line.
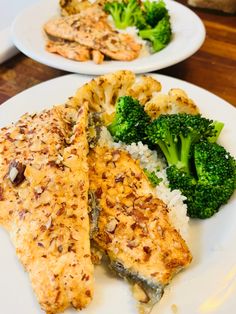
207	286
29	37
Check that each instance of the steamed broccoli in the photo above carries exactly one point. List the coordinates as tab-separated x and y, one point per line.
180	180
216	179
154	11
176	133
130	121
160	35
212	183
202	170
140	20
218	126
123	13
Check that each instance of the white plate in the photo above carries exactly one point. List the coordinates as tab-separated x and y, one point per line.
208	286
28	36
9	10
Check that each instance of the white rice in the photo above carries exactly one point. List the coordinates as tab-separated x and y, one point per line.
133	31
152	162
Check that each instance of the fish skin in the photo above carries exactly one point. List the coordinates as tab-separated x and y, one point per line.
152	289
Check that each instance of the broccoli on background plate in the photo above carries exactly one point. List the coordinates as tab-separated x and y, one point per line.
123	13
150	17
160	35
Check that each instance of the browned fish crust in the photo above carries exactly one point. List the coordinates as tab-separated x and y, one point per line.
133	225
69	49
90	28
43	204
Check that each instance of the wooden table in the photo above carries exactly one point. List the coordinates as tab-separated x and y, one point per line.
212	67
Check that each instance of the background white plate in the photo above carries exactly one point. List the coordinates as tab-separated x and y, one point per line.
208	286
9	10
28	36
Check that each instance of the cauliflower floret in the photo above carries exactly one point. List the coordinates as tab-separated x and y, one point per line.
176	101
144	89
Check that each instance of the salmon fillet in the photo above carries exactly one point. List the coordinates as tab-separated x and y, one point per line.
131	225
69	49
43	204
91	28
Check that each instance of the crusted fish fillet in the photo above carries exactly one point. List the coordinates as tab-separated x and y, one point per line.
131	225
68	49
91	28
43	204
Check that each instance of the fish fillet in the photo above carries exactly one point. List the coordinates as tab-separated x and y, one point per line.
68	49
131	225
90	28
43	204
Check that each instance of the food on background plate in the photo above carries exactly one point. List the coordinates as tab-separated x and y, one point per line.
43	204
88	27
100	156
69	7
68	49
91	29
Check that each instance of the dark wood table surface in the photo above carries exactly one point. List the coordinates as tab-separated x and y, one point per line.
213	67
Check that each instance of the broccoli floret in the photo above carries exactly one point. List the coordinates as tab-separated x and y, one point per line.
213	163
216	179
180	180
218	126
116	10
154	11
152	177
203	171
130	121
140	21
211	185
176	133
123	13
160	35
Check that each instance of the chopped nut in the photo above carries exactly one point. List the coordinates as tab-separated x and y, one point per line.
60	248
111	225
16	172
38	189
59	159
132	244
98	193
115	155
109	203
119	178
147	249
60	211
48	223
